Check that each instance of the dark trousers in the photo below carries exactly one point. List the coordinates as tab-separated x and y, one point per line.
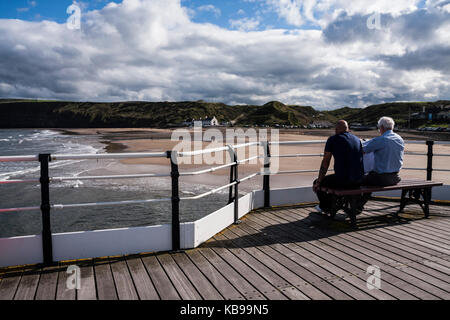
379	180
332	181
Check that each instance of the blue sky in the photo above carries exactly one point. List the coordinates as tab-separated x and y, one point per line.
37	10
223	12
323	53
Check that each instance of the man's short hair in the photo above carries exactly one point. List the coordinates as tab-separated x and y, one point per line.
387	123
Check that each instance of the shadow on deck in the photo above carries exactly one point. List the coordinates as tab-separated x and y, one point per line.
278	253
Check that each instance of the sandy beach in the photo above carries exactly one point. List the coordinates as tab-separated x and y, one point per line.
160	140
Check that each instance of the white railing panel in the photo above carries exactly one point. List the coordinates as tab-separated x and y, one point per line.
18	251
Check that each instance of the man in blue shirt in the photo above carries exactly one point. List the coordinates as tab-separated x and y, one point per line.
388	151
348	165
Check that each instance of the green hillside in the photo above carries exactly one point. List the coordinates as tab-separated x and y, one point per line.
19	113
399	111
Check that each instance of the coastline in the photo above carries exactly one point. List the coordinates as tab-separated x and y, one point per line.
159	140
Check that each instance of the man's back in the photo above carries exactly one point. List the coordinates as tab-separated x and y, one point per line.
348	156
388	150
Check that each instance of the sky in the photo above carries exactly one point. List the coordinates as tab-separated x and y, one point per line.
323	53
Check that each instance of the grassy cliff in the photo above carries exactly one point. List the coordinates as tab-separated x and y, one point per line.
15	113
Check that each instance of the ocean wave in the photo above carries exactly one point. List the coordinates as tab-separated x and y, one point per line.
7	175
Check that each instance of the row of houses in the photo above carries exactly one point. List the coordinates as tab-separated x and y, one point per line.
206	122
437	113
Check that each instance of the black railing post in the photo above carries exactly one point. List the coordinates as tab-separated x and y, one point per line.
175	175
266	179
430	160
232	174
47	246
236	187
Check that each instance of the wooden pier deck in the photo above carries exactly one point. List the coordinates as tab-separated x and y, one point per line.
279	253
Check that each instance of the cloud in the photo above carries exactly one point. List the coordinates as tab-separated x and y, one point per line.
152	50
31	4
210	8
245	24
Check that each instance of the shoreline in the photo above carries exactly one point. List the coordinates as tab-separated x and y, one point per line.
118	140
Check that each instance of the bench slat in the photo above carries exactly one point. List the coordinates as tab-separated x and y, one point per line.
404	184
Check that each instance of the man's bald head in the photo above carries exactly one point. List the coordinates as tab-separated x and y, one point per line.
341	126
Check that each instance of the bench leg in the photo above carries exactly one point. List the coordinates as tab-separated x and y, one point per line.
426	201
354	206
402	202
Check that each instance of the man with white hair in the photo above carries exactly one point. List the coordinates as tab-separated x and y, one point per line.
388	151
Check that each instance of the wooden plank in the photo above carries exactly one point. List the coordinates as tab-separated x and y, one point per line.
438	271
8	287
27	286
62	292
104	280
200	282
162	283
122	279
214	276
357	287
317	269
184	287
266	288
406	245
403	245
429	291
288	276
303	277
423	240
351	250
431	276
47	284
341	259
400	251
296	263
255	266
141	279
405	184
88	289
241	284
422	227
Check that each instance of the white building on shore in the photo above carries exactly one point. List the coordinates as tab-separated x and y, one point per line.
206	122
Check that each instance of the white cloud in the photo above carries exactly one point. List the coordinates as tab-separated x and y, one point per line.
152	50
210	8
321	12
245	24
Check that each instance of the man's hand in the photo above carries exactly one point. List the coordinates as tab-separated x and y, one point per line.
323	170
316	186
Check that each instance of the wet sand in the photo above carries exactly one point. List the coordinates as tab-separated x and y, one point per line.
159	140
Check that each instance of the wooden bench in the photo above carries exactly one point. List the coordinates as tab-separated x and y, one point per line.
413	191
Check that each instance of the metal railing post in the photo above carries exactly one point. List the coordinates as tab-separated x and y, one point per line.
266	178
430	160
230	191
234	158
47	246
175	175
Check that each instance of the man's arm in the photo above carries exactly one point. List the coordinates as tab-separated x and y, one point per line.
323	169
372	145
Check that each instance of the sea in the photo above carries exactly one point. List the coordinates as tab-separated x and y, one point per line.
32	142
